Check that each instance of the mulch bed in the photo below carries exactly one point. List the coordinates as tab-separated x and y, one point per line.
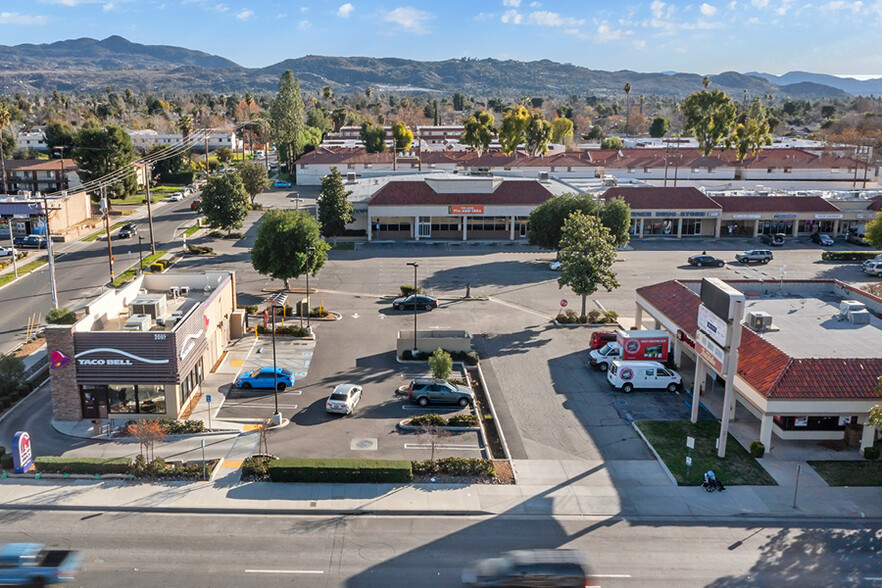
504	476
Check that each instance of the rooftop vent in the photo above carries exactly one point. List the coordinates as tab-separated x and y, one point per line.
847	307
759	321
138	322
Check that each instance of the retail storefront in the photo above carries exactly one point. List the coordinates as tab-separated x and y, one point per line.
668	212
141	354
752	216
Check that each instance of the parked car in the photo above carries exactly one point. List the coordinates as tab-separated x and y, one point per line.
822	239
539	568
343	399
263	378
870	261
703	260
196	205
555	266
6	251
426	391
872	268
755	255
31	564
128	230
601	338
176	197
776	240
857	239
37	241
627	375
415	302
281	184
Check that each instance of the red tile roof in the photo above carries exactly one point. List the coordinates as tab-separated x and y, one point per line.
774	204
770	371
413	193
652	198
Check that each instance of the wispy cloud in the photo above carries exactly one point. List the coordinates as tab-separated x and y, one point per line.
345	10
245	14
512	3
512	17
542	18
412	20
22	19
304	24
708	10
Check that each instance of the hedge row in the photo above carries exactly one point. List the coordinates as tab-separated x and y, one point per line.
82	465
295	330
457	420
171	427
470	358
340	470
849	255
456	466
596	317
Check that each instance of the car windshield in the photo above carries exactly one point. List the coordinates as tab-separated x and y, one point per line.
339	396
256	372
606	349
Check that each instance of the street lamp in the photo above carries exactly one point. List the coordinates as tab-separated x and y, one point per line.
276	301
308	305
140	256
416	289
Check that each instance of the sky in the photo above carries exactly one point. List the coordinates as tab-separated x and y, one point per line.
837	37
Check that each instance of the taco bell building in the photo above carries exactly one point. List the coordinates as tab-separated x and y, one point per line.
142	351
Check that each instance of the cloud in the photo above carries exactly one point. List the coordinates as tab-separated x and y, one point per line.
512	17
345	10
281	15
606	33
512	3
552	19
535	4
658	9
22	19
221	7
760	3
304	24
707	9
484	16
412	20
68	2
245	14
840	5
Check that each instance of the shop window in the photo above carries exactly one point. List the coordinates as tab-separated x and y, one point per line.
445	227
770	170
691	226
121	399
151	399
393	226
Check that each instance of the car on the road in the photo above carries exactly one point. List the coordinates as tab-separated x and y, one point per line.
821	239
776	240
872	268
176	197
705	260
281	184
755	255
426	391
555	266
31	564
37	241
128	230
263	378
343	399
196	205
415	302
6	251
539	568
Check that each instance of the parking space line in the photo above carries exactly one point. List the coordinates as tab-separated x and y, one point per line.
440	446
409	407
269	405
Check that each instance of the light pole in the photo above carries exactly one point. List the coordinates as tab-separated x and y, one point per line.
308	304
140	256
276	301
416	289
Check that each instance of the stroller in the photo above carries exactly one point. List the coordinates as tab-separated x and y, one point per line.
711	483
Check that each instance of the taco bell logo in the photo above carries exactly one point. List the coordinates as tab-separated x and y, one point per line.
58	360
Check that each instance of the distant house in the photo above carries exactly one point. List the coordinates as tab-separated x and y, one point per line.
35	140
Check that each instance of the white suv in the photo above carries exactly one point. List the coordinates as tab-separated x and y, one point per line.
873	268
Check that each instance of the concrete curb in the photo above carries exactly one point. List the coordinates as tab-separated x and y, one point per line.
657	456
591	325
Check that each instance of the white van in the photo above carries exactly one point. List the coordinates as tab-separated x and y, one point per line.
601	358
627	375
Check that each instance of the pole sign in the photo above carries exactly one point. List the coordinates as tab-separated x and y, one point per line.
22	456
712	353
563	302
713	325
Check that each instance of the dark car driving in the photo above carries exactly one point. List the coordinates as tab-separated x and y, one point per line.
128	230
776	240
703	260
415	302
37	241
536	568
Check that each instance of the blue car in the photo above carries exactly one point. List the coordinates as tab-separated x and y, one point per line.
282	184
263	378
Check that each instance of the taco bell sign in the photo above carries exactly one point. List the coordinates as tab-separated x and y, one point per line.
22	456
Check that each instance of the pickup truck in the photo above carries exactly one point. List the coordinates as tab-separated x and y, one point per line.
31	564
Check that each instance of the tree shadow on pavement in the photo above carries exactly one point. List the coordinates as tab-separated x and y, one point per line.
499	273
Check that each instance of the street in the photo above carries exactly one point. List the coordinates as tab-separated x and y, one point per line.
366	551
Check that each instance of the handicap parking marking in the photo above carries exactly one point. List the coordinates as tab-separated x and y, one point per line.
300	374
237	363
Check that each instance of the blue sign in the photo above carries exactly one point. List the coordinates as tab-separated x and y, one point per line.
22	456
691	213
783	216
665	214
633	213
208	398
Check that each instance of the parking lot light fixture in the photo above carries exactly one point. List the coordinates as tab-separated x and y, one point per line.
276	301
416	289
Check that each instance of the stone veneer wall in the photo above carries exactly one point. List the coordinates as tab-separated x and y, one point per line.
66	404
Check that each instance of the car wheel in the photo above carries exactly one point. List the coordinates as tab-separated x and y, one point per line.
395	307
281	387
721	263
463	402
766	260
698	264
423	401
627	388
246	386
428	307
672	387
603	366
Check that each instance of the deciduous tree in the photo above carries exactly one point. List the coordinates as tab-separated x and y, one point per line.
402	137
616	216
254	178
547	219
478	132
536	135
225	202
286	116
873	231
659	127
98	152
514	128
334	208
374	137
281	249
709	117
4	120
561	129
587	255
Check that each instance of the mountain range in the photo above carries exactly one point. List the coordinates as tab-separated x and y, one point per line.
89	65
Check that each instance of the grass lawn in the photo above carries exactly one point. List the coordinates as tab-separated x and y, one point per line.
130	273
849	473
23	270
346	246
97	234
189	232
669	440
165	190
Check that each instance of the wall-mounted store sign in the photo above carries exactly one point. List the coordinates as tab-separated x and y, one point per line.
714	213
747	216
693	213
827	216
665	213
640	213
466	210
121	358
783	216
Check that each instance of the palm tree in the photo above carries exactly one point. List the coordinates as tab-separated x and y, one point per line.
367	92
327	92
705	81
627	106
4	120
185	125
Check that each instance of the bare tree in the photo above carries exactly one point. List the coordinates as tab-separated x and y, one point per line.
148	433
434	435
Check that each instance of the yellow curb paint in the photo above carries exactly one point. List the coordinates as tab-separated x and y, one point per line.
236	363
233	464
252	427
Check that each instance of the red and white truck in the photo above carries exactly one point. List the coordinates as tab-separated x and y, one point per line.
633	346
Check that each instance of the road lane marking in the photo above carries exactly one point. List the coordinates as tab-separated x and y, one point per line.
284	572
610	575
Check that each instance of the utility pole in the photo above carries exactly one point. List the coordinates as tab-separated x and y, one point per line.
107	231
149	174
14	251
52	287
